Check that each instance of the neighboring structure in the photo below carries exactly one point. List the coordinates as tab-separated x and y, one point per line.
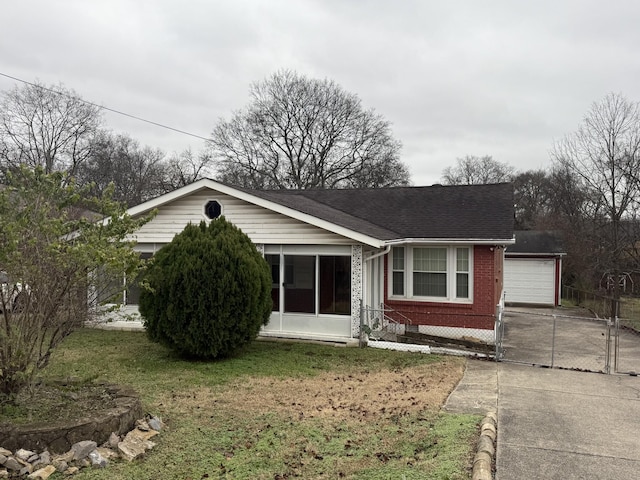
533	268
433	255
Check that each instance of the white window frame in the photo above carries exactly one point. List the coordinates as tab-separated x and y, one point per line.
451	296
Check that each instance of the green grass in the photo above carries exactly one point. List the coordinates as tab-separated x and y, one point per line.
231	442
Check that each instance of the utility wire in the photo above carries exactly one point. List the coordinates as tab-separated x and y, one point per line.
105	108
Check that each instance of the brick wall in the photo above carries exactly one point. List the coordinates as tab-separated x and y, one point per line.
487	286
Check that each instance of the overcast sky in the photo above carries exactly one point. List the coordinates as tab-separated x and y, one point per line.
504	78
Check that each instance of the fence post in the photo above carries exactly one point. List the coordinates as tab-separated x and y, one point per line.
553	340
616	343
361	342
607	357
499	331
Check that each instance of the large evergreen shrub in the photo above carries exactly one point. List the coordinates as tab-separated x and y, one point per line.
208	292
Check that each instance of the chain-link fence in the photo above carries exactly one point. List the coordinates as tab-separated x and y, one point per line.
385	324
592	332
546	337
581	336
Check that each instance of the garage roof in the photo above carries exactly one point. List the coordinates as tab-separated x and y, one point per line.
537	242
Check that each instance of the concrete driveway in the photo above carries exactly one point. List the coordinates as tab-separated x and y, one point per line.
560	424
555	423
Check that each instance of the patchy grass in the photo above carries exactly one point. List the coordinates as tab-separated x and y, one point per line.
283	410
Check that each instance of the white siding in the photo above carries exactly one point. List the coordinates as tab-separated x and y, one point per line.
529	281
260	224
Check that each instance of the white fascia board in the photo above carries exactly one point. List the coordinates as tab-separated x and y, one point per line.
452	241
261	202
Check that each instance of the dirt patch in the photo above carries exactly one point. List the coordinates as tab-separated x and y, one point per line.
42	403
356	395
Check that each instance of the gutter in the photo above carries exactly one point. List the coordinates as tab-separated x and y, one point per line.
450	241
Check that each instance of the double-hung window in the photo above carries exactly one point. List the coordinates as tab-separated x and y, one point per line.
434	273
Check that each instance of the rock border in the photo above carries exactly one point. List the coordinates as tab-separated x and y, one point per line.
58	437
485	451
27	464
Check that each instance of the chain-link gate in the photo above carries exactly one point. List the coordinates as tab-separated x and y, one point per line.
560	339
627	346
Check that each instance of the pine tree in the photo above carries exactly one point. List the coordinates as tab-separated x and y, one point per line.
208	292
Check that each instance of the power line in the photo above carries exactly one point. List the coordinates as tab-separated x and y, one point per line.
104	108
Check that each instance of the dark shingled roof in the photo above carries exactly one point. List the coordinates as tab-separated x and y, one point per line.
483	212
537	242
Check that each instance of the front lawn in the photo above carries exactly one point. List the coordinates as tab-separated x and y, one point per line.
283	410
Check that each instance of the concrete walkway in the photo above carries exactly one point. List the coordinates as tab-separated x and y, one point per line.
556	424
477	392
561	424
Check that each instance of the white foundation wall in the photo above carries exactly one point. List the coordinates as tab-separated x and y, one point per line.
486	336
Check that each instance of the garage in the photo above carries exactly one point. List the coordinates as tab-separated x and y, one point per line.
533	267
530	280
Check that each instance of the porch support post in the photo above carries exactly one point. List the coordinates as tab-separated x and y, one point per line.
356	288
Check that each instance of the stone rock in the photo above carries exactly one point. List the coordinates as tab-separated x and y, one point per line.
107	453
114	440
5	452
60	465
97	460
43	458
155	423
43	473
3	458
485	444
4	474
142	425
135	443
26	470
71	471
23	454
84	462
142	435
12	464
65	457
82	449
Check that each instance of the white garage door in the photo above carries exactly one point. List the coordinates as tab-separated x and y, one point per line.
529	281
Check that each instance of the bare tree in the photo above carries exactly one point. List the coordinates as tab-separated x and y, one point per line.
137	173
603	155
532	197
185	168
472	170
305	133
48	127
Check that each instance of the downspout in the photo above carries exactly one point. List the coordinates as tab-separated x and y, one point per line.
379	254
362	307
